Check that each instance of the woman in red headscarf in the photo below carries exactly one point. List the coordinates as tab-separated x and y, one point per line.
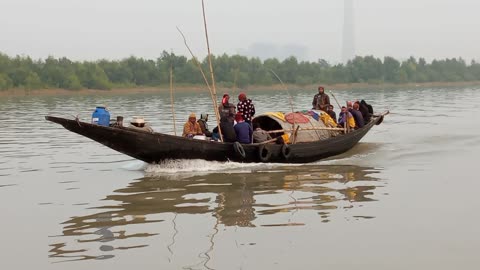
227	109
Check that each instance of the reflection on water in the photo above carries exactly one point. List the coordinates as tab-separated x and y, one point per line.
266	198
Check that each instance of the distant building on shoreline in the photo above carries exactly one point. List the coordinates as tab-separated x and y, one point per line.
348	43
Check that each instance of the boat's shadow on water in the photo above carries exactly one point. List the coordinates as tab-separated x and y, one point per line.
257	197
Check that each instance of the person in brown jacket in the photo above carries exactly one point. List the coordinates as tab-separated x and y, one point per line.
191	127
321	100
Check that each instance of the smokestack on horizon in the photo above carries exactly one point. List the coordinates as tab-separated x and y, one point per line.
348	44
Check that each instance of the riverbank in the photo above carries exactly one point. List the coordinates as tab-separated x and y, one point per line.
193	88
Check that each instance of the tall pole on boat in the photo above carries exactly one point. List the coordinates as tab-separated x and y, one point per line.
214	89
172	101
289	97
199	66
340	107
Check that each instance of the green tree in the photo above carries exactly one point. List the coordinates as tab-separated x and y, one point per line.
32	81
5	82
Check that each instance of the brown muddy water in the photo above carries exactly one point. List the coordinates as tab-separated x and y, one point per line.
406	197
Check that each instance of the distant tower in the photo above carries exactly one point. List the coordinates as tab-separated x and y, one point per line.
348	46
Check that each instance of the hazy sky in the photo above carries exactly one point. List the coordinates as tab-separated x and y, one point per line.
308	29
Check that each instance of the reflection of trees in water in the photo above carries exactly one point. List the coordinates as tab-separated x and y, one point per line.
232	198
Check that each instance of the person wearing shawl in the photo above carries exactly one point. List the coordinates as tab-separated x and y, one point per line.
191	127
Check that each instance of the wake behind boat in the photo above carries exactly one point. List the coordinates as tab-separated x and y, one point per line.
308	142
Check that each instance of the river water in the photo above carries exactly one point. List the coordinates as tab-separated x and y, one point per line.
404	197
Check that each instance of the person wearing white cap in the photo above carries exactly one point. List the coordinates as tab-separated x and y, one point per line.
139	123
191	127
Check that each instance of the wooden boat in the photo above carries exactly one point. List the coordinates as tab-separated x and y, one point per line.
153	147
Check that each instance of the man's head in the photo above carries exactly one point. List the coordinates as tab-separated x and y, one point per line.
192	118
330	107
344	109
321	90
204	117
356	106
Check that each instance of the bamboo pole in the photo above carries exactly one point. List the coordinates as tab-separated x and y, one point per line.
334	97
295	134
265	142
172	101
214	89
199	66
289	96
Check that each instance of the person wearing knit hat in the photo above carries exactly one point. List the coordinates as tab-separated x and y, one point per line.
227	109
246	107
191	127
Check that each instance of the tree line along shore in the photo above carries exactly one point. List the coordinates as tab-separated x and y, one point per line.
23	73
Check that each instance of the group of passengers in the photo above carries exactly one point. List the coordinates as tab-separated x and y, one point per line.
354	115
235	123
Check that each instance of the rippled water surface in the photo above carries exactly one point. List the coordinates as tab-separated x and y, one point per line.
404	197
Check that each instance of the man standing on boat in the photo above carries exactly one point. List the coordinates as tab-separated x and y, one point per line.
321	100
246	108
227	109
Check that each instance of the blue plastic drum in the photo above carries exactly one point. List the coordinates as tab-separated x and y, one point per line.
101	116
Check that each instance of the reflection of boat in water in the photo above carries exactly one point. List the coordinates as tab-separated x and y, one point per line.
259	198
319	141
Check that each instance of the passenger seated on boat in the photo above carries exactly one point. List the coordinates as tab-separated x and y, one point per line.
139	123
243	129
260	135
331	112
346	116
191	127
357	115
228	132
203	124
365	109
227	109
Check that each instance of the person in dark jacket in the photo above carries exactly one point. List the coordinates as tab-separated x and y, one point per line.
203	124
321	100
357	115
365	111
243	129
332	113
228	132
227	109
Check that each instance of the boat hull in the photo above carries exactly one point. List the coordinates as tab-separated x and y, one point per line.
157	147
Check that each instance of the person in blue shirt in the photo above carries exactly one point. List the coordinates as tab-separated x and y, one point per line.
243	129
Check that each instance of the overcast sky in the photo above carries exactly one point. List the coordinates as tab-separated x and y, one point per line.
308	29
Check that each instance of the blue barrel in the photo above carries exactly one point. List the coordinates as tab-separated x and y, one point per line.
101	116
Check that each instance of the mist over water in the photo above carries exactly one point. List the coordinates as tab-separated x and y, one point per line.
403	197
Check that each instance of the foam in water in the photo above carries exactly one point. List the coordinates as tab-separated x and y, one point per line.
135	165
199	166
